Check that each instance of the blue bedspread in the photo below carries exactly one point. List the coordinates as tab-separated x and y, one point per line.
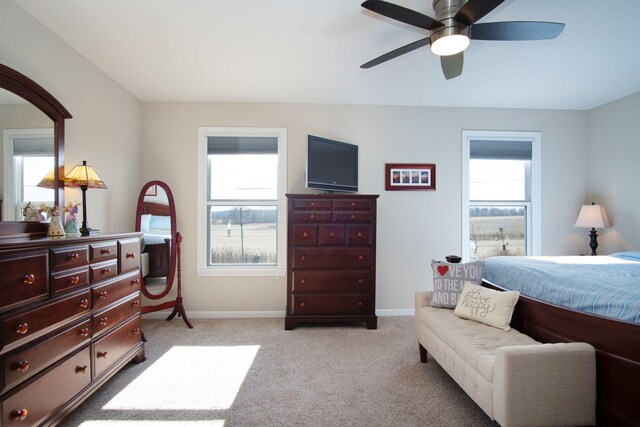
605	285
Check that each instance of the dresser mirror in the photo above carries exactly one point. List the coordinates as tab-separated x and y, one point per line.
160	255
30	114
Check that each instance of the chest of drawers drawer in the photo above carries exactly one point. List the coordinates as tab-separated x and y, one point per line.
19	328
129	255
68	279
330	304
103	270
22	364
107	350
103	251
102	320
114	290
37	401
318	204
330	281
331	258
69	257
352	205
23	278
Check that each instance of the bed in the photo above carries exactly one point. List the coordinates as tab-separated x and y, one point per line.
155	224
588	299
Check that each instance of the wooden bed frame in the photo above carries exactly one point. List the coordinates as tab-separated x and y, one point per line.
617	345
159	253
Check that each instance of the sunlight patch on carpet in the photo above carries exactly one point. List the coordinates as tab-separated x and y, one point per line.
202	378
122	423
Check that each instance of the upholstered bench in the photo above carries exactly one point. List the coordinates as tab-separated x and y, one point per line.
517	381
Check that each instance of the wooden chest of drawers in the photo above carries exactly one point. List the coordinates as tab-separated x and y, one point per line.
331	259
69	320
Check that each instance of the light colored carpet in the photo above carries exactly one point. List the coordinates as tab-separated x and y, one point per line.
251	372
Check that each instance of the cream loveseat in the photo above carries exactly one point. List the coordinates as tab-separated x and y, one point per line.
517	381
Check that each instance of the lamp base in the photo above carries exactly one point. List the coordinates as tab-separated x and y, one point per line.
88	231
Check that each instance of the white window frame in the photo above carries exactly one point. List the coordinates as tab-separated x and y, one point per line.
203	269
533	205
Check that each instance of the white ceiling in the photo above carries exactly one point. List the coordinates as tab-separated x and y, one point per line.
310	51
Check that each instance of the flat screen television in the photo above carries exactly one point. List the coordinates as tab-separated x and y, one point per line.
331	165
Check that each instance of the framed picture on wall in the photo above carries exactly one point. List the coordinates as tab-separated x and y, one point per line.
152	191
410	176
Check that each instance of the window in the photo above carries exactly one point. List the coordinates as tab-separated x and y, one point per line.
501	192
242	179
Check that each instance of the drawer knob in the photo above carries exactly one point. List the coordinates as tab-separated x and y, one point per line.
359	234
303	258
361	280
303	281
106	270
102	354
84	332
332	235
20	415
28	279
131	255
360	303
81	369
303	304
136	331
105	251
22	366
135	281
84	303
74	257
103	295
104	321
312	216
305	234
353	216
360	258
22	328
74	280
136	303
312	204
353	204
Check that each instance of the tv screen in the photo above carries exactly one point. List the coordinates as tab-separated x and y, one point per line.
332	165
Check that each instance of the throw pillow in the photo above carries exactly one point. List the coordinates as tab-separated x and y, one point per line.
448	280
485	305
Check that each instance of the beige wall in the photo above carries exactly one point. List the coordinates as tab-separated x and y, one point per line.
105	128
413	227
614	172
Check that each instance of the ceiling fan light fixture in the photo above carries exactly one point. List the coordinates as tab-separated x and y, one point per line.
450	40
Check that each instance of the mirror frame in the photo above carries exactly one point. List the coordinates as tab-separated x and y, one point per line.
174	231
31	91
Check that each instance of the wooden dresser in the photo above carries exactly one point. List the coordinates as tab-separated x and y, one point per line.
331	259
69	320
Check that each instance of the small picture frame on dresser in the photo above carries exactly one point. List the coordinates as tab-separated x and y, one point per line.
410	176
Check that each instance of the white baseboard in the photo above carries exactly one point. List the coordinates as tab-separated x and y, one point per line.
260	314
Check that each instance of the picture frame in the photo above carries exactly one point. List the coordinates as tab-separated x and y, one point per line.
410	176
152	191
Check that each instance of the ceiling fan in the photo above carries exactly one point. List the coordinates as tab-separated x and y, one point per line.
454	26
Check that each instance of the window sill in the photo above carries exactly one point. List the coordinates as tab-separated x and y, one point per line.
238	271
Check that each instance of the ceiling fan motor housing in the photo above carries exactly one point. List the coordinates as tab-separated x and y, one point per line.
445	11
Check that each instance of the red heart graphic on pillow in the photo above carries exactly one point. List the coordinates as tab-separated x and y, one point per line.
442	269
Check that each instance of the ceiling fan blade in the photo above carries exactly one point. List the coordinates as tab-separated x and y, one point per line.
474	10
452	65
402	14
397	52
516	30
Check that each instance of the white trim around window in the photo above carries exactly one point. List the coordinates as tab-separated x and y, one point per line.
280	268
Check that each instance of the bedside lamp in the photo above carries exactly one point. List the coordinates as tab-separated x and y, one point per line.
49	180
593	216
83	177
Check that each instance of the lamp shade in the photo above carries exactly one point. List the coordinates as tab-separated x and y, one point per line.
593	216
83	175
49	180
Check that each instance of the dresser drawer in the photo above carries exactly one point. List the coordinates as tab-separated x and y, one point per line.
112	291
301	216
68	279
44	396
352	205
103	251
105	319
20	366
352	217
69	257
311	258
103	270
330	281
129	255
358	235
23	278
108	349
331	235
330	304
18	329
311	204
305	234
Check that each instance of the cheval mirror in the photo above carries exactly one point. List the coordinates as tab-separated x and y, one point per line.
160	259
